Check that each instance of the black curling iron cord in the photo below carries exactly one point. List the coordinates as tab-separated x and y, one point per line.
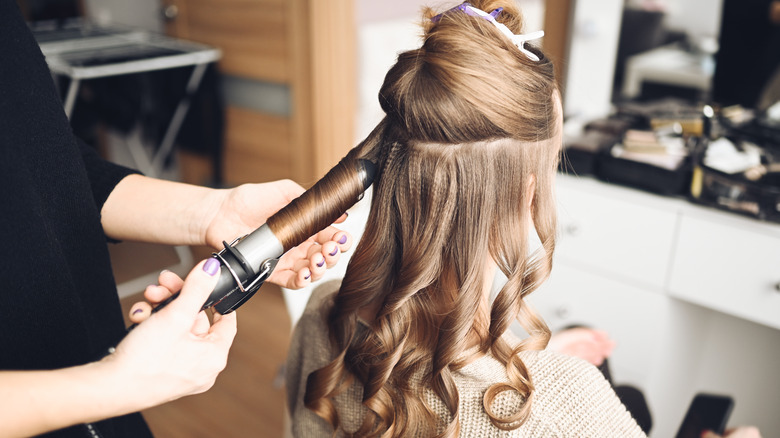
157	308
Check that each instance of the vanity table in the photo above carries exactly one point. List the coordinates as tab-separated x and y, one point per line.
690	294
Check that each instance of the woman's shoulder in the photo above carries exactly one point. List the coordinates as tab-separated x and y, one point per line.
549	371
553	366
314	317
550	367
571	396
310	346
575	396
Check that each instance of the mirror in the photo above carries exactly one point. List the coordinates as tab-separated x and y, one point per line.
723	51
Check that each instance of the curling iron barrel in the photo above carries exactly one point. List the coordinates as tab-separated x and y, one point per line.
248	261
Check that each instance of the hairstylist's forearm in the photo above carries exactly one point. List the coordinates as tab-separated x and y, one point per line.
34	402
157	211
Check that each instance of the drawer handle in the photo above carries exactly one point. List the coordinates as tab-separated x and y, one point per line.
777	287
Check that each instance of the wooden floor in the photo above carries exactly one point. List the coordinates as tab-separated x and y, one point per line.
247	399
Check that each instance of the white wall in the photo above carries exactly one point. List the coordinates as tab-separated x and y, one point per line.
590	64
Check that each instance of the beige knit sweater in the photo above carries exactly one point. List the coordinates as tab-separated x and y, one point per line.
572	398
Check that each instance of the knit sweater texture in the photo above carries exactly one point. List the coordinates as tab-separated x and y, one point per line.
572	398
59	301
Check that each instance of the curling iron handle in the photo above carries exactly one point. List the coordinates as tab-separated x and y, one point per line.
224	284
166	302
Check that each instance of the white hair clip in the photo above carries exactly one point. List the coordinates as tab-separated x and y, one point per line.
519	39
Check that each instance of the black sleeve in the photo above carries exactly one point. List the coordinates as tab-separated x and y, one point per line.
103	175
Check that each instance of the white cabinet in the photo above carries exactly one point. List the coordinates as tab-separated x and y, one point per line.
689	293
729	264
628	313
625	238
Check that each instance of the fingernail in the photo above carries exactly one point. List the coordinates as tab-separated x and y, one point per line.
343	240
335	251
211	267
164	271
321	264
307	276
137	311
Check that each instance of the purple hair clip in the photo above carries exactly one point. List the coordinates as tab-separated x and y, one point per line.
466	8
519	39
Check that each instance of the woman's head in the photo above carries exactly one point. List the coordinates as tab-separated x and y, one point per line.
468	83
466	153
469	94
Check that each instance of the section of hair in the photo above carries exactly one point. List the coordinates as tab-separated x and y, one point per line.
468	148
340	188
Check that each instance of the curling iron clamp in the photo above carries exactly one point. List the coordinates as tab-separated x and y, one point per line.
247	262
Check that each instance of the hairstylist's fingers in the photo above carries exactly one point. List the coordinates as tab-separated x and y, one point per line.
316	255
200	282
156	294
224	329
342	218
170	281
331	252
288	271
139	312
344	240
201	325
308	261
333	234
330	249
318	264
303	270
292	278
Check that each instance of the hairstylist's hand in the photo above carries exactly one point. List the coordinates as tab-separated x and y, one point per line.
176	352
739	432
168	283
242	209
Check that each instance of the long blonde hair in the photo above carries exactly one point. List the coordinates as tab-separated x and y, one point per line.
469	135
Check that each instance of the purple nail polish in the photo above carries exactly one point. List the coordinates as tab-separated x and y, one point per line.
137	311
343	239
335	251
321	264
211	267
307	276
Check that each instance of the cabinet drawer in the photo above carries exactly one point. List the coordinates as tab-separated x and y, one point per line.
632	316
603	229
732	267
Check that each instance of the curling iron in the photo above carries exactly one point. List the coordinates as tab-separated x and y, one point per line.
247	262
